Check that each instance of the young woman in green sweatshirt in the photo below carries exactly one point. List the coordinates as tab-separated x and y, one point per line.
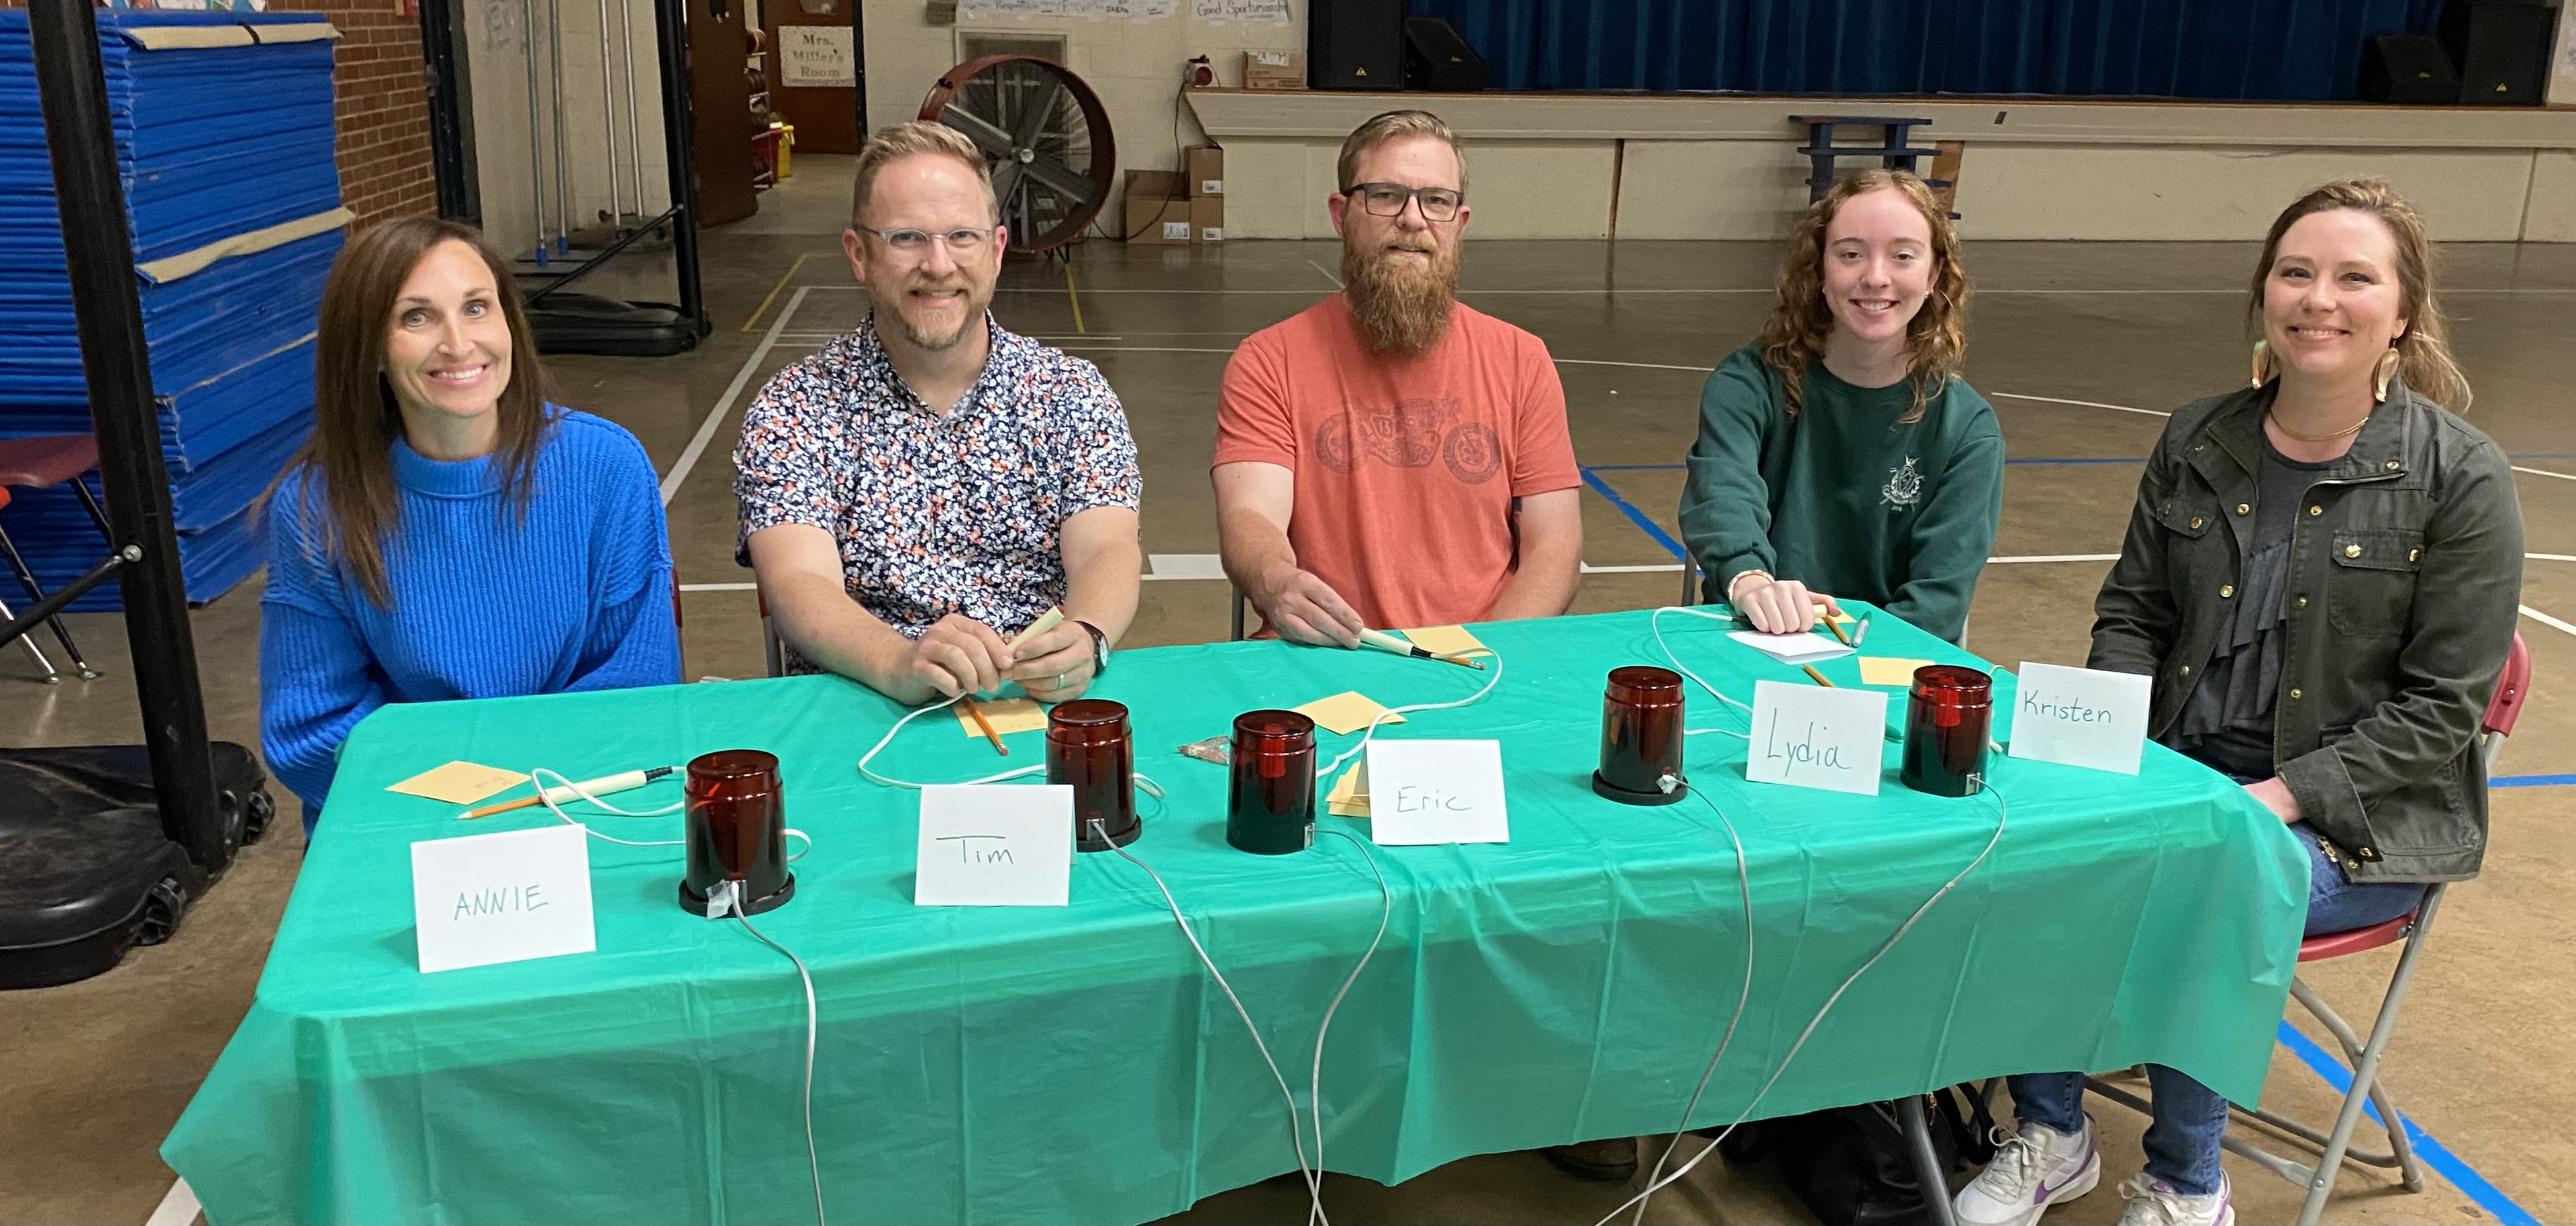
1841	453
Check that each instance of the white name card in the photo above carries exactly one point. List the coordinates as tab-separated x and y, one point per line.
2080	717
1809	736
994	846
1437	792
505	897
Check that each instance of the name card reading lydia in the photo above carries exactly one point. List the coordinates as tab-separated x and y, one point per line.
1809	736
2080	717
505	897
1437	792
994	846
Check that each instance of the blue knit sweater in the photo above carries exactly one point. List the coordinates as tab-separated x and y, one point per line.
577	596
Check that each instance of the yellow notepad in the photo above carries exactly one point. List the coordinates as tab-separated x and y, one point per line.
1346	712
1349	797
1448	641
1009	715
1881	670
458	783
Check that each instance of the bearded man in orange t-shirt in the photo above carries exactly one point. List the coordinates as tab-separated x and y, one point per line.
1390	457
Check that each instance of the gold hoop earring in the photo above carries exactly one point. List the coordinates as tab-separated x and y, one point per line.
2385	371
2262	363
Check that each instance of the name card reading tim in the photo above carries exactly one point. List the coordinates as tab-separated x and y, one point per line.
505	897
2080	717
1808	736
994	846
1437	792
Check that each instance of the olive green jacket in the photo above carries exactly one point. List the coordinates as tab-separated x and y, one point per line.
2405	573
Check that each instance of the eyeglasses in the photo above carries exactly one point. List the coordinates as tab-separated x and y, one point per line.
917	242
1389	199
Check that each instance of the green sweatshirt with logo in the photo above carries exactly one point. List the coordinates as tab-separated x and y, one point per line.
1843	497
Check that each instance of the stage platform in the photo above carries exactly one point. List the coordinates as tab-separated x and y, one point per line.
1590	166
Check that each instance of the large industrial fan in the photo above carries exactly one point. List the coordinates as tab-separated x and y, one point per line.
1045	135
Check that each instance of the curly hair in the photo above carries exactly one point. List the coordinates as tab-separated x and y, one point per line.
2424	358
1794	334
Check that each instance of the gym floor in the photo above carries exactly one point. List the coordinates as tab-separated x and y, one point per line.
2082	347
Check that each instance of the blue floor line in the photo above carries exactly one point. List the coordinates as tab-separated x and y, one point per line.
2441	1160
1634	515
2532	781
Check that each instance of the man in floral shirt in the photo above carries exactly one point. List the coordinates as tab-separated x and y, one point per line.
919	491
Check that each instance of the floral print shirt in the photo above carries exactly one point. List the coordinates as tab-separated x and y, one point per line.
937	515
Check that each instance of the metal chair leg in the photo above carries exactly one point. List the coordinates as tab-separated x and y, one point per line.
37	653
1234	601
2366	1073
1928	1171
62	633
1690	581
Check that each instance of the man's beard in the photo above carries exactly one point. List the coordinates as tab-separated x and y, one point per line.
1401	305
890	307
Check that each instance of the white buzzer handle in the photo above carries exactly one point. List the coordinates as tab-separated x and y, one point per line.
624	782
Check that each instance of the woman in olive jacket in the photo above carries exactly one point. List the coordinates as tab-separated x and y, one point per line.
2320	575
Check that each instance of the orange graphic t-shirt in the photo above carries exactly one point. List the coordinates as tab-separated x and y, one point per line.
1406	467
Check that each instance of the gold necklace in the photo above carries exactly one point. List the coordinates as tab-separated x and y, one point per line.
2275	419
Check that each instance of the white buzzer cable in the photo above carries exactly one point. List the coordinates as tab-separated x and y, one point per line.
1744	880
730	899
1391	712
1296	1136
1315	1084
2003	817
547	797
910	716
733	902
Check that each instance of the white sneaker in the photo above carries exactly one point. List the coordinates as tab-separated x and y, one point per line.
2030	1172
2153	1202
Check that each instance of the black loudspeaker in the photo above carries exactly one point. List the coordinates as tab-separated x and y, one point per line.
1435	58
1355	44
2409	69
2502	49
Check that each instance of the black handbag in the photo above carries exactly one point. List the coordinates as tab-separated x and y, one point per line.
1851	1166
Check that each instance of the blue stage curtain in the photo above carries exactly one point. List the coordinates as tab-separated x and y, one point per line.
2306	50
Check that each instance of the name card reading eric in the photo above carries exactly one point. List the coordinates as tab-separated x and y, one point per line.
2080	717
993	846
1436	792
488	898
1808	736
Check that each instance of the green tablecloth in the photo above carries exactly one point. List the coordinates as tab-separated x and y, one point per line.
1076	1064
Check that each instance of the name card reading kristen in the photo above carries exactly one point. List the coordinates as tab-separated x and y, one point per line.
994	847
1808	736
488	898
1436	792
2080	717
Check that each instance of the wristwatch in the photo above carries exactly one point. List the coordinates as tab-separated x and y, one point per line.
1099	647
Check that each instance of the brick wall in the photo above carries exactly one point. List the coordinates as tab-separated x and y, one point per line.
383	105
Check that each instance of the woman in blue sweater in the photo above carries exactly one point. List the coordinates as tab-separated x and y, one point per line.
447	533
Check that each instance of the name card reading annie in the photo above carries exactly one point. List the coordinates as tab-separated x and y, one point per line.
1436	792
2080	717
488	898
1809	736
994	846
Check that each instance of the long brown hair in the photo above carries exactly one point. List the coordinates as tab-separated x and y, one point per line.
1795	333
2424	358
348	464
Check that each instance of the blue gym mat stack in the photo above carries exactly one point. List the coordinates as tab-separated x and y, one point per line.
224	141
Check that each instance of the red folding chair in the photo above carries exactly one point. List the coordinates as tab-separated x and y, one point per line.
41	463
2335	1147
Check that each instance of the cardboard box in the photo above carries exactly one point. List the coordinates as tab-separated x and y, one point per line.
1207	219
1205	165
1274	70
1156	185
1155	220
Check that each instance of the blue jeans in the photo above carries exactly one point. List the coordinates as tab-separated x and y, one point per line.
2190	1118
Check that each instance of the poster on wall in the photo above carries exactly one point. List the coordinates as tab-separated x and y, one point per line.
1273	11
816	57
1095	10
